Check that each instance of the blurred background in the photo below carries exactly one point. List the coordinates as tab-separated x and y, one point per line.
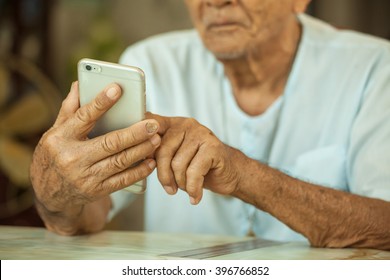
40	44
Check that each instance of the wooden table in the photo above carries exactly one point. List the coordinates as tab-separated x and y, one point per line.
23	243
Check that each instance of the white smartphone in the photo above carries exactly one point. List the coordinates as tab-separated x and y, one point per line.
94	76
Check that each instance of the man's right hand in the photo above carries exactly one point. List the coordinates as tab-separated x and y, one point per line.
72	174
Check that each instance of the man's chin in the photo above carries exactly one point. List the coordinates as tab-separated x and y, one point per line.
231	55
224	53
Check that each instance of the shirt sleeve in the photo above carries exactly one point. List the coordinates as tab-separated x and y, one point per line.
369	150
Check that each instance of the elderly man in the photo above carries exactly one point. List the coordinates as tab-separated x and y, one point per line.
281	130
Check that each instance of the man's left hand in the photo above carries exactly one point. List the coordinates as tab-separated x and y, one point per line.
191	158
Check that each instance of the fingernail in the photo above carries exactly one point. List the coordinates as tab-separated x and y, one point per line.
169	189
152	164
151	127
112	93
155	140
192	200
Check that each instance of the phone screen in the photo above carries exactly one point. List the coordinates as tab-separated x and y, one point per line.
94	76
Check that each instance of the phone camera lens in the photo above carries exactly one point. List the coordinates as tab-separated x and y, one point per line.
88	67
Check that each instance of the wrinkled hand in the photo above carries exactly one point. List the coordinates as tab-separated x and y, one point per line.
191	158
69	170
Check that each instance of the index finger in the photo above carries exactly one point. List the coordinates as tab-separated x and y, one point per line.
164	122
69	106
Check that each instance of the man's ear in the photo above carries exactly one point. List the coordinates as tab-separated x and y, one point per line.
300	6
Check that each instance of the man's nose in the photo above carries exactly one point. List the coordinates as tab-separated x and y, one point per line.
220	3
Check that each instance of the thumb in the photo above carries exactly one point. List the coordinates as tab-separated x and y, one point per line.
86	116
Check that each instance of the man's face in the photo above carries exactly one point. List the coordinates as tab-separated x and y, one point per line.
231	28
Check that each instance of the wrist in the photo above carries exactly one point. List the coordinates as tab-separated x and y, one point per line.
239	160
250	179
64	222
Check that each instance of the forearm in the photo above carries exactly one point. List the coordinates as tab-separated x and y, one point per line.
76	220
327	217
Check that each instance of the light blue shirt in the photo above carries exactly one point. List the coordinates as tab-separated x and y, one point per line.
330	127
